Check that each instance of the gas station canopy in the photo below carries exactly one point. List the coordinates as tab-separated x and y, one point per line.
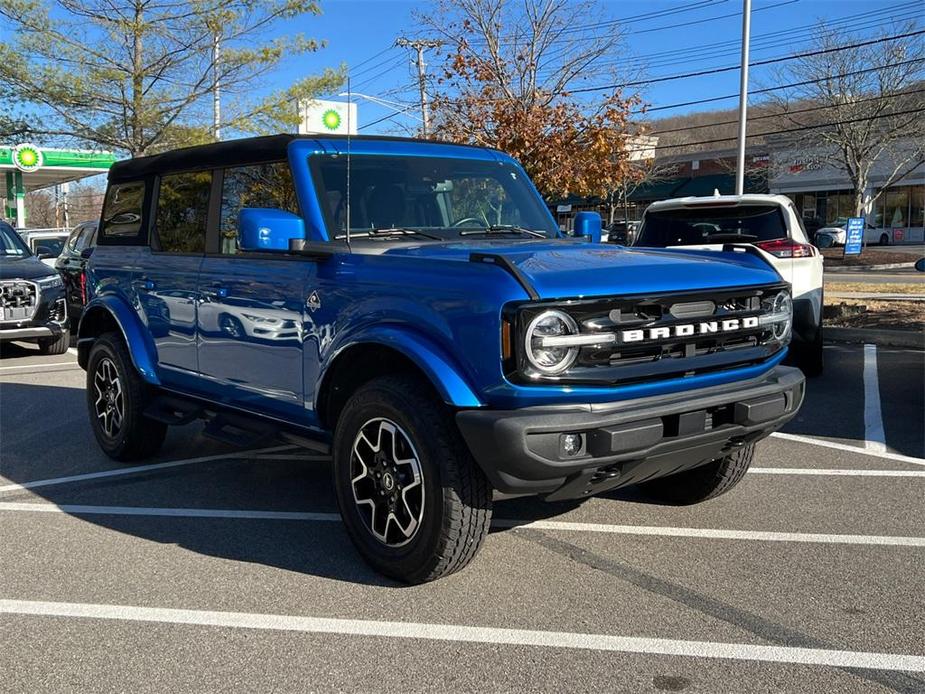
26	167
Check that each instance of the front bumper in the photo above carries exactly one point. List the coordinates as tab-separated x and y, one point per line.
626	442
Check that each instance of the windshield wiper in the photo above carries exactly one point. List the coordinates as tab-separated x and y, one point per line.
503	229
731	236
392	231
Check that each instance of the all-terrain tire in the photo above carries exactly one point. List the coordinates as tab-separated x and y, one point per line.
134	437
456	505
55	345
702	483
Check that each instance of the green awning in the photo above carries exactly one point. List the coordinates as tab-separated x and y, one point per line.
702	186
657	190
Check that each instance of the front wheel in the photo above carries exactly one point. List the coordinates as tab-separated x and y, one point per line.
414	502
701	483
116	397
55	345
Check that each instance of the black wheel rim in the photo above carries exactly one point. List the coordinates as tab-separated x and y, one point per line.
109	405
387	482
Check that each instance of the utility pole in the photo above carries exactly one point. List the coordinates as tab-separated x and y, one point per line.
743	96
216	88
419	45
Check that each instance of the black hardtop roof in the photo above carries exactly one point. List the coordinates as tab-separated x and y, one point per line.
249	150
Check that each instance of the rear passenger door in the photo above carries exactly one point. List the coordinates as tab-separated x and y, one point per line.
167	283
252	304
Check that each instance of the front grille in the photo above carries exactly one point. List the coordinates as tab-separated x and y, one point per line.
18	300
666	336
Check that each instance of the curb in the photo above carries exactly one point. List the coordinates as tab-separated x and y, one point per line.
837	269
883	338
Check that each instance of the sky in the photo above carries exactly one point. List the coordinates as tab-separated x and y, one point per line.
701	34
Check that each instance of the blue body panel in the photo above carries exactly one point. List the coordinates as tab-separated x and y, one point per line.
261	333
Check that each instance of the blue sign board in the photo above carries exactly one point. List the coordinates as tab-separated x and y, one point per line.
854	236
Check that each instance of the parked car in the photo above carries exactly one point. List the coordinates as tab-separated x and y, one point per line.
768	223
834	234
32	305
45	245
72	263
449	341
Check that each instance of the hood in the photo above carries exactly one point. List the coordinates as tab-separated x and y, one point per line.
24	268
574	269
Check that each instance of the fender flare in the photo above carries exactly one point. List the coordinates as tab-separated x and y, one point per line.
439	367
140	346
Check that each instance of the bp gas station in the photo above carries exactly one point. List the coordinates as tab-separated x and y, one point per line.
26	167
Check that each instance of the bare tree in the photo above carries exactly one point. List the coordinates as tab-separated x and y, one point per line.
506	81
871	107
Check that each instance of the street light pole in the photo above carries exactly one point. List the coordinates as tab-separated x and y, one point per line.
216	87
743	96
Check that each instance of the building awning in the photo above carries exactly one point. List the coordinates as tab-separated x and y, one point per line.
702	186
657	190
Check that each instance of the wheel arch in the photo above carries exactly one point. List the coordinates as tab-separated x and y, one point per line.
387	351
110	314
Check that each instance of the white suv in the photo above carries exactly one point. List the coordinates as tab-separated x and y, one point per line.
771	224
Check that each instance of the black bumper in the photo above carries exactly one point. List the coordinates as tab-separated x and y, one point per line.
626	442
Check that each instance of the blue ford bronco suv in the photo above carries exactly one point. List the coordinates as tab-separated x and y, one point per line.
411	308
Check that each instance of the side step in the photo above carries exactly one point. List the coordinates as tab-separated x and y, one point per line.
173	411
239	431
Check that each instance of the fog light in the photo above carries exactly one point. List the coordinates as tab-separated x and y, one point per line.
571	445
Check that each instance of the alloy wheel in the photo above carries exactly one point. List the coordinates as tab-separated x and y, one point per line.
110	401
387	482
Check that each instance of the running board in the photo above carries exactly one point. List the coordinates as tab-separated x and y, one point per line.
239	431
173	411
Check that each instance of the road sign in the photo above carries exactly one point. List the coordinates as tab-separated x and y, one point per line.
854	236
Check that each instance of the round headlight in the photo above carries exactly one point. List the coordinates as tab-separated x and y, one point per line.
779	316
545	357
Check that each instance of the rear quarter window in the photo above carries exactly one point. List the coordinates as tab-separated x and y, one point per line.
123	214
696	226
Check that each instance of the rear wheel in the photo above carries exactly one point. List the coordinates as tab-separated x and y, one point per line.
55	345
701	483
414	503
116	397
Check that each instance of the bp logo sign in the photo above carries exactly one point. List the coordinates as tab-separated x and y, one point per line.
331	119
27	158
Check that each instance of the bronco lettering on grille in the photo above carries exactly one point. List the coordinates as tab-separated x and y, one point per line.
689	329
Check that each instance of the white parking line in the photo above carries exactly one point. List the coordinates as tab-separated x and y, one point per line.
510	523
39	367
898	457
471	634
841	472
874	437
139	468
72	350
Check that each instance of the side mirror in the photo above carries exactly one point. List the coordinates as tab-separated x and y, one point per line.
269	230
44	253
920	264
588	224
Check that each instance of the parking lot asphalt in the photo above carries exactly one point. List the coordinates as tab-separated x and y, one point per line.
213	569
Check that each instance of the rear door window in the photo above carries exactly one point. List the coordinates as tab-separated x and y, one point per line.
182	211
710	225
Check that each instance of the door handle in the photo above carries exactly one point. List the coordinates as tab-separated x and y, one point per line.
145	284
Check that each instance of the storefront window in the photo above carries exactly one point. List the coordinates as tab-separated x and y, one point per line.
917	207
897	208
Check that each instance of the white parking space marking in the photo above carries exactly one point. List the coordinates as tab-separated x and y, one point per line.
471	634
886	455
507	523
39	367
139	468
840	472
72	350
874	437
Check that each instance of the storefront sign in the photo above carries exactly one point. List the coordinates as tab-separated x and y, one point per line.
854	236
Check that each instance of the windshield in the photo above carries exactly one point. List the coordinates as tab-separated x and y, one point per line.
702	225
50	244
11	243
440	197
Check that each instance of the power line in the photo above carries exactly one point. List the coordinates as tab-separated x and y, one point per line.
757	63
768	90
779	132
781	114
